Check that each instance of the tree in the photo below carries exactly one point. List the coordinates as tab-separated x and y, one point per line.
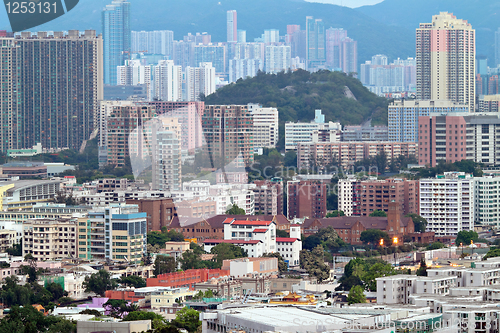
31	269
335	213
465	237
330	239
160	237
56	290
282	265
133	281
356	295
422	270
435	246
378	213
313	261
188	319
27	319
99	282
157	321
373	236
374	272
311	242
282	233
164	264
492	253
191	260
118	308
419	222
93	312
235	210
16	250
224	251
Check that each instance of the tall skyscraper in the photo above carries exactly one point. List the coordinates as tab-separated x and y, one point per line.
232	27
167	81
116	35
315	34
199	80
497	47
277	58
134	73
334	39
446	52
50	90
349	55
154	42
228	133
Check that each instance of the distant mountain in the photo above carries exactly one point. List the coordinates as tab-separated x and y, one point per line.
184	16
484	15
297	94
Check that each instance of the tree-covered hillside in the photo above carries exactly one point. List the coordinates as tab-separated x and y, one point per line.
297	94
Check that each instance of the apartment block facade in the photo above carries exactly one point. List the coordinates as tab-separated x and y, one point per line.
447	203
446	58
459	136
228	131
50	239
189	115
116	232
306	199
265	126
365	196
347	153
403	116
51	88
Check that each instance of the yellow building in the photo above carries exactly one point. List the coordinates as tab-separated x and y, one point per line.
163	296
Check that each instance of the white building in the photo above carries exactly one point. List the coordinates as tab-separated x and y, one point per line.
244	68
134	73
487	200
10	233
48	239
277	58
265	126
345	195
167	81
166	154
447	203
309	132
290	247
199	80
153	42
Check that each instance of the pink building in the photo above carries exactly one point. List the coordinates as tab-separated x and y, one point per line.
441	138
189	114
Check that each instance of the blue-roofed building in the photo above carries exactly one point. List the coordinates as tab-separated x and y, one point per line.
117	232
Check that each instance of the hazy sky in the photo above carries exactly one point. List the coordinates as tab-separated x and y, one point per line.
349	3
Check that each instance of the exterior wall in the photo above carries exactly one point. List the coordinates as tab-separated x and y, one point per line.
447	203
228	133
265	126
306	199
487	200
160	211
50	239
437	46
186	278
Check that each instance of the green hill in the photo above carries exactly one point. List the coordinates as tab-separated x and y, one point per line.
297	94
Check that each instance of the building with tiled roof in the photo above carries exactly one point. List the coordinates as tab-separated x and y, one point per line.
349	228
213	227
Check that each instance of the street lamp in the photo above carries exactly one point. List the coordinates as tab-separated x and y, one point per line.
395	242
381	245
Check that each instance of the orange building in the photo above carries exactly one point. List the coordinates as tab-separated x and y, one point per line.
186	278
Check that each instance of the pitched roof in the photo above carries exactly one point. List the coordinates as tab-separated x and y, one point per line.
266	223
232	241
285	239
347	222
260	230
217	221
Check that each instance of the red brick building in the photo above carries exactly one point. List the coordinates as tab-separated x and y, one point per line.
186	278
306	199
377	194
213	227
349	228
161	211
